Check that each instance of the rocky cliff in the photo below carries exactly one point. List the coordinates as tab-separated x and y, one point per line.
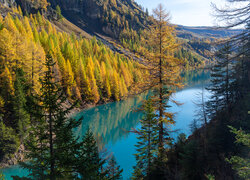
102	16
84	13
7	3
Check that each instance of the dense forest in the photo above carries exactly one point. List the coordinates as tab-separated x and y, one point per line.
126	23
46	73
87	71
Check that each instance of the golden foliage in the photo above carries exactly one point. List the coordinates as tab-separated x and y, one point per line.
87	69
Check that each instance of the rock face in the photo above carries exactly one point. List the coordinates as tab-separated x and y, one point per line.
28	6
85	7
17	157
7	3
84	13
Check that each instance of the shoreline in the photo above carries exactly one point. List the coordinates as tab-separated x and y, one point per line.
18	156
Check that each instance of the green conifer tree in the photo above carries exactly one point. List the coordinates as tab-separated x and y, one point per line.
59	12
19	101
89	165
220	79
148	140
9	141
241	164
51	144
114	171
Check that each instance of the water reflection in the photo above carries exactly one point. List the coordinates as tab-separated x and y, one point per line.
113	121
196	78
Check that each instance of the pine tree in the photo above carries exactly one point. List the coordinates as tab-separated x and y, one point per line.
236	14
20	110
114	171
89	165
51	144
221	78
9	142
59	12
240	164
147	146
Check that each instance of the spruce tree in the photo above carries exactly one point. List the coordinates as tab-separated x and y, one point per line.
236	14
114	171
147	142
221	78
241	164
19	103
89	165
59	12
9	141
51	144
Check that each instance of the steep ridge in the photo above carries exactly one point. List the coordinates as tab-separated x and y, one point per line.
103	16
120	25
105	19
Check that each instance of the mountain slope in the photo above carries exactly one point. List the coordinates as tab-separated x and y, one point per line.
122	22
103	16
120	25
85	67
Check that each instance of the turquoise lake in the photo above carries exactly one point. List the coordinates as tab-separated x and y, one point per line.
112	122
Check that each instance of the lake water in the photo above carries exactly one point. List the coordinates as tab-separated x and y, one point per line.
113	122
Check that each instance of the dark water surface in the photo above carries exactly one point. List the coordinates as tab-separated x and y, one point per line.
112	122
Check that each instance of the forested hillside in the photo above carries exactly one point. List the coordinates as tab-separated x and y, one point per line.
87	70
56	56
125	22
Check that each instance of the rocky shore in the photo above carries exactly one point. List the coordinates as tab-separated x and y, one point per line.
14	159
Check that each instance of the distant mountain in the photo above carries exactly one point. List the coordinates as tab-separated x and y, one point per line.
205	32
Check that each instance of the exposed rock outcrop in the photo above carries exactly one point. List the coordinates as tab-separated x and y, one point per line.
14	159
7	3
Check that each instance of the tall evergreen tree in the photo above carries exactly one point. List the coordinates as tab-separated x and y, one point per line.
51	143
221	78
9	141
59	12
241	164
114	171
20	109
147	145
236	14
89	165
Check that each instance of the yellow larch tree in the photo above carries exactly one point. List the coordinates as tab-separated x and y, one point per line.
115	85
164	69
95	97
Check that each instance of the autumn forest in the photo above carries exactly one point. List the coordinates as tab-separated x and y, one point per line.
87	83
